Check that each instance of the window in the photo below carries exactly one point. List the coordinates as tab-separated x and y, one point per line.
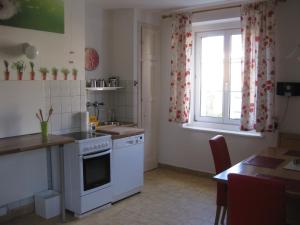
217	92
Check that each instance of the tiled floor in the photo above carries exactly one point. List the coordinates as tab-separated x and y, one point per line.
168	198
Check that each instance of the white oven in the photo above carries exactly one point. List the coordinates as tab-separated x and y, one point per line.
88	172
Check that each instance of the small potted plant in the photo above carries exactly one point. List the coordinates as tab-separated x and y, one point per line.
32	73
6	72
54	72
44	72
20	66
65	72
74	73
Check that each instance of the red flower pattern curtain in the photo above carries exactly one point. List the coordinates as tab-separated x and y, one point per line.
181	47
258	29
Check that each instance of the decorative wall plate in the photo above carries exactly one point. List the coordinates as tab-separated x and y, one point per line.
91	59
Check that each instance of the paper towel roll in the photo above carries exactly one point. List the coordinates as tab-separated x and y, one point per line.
85	121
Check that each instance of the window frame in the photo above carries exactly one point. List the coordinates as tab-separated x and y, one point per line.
205	30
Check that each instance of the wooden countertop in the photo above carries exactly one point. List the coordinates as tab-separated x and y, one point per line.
118	132
30	142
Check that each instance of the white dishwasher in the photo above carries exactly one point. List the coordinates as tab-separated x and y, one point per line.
127	166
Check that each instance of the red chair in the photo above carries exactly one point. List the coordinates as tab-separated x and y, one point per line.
222	162
255	200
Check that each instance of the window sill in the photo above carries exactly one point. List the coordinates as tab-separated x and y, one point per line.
221	129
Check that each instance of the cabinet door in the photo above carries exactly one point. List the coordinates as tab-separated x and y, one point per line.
128	169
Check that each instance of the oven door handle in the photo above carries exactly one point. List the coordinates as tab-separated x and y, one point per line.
96	155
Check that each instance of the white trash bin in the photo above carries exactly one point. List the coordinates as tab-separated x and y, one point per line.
47	204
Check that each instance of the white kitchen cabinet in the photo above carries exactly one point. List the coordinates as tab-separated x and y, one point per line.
127	166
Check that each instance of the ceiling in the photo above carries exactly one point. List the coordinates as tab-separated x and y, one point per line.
158	4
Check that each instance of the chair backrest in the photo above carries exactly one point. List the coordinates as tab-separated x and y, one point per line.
220	153
255	200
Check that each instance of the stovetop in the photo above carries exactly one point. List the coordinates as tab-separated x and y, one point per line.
78	136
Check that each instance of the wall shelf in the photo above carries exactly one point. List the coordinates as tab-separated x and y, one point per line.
103	88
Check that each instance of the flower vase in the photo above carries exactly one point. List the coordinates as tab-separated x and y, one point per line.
54	76
6	75
32	75
20	75
65	76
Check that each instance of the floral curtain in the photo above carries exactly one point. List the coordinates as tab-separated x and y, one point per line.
181	47
258	29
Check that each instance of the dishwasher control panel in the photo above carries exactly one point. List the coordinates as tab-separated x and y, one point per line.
132	140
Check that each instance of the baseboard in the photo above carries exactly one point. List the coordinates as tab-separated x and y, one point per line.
17	212
185	170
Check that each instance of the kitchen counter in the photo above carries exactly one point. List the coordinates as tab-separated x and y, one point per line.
30	142
118	132
18	144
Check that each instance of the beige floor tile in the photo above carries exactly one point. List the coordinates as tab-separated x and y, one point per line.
168	198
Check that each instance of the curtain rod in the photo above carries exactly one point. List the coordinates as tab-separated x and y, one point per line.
215	9
207	10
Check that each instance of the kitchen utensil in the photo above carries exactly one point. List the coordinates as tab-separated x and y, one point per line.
114	81
93	83
101	83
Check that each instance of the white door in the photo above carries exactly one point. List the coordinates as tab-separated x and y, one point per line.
149	92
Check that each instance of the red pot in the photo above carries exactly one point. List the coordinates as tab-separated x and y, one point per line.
65	76
32	75
44	76
54	76
20	75
6	75
74	76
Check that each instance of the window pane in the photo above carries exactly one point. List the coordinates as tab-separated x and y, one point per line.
236	76
236	46
211	103
212	70
235	104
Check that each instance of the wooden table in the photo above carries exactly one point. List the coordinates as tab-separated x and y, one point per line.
278	172
18	144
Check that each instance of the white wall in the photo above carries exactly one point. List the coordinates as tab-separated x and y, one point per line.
288	70
24	174
98	35
190	149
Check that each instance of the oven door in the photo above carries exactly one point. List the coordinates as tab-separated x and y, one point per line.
96	171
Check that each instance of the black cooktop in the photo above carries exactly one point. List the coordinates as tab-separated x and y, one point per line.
84	135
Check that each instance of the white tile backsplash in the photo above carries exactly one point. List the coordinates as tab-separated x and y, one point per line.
65	88
56	123
83	103
56	104
66	104
55	88
75	88
83	91
75	104
66	121
76	120
120	101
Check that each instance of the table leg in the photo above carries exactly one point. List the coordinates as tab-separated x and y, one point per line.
49	169
62	183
